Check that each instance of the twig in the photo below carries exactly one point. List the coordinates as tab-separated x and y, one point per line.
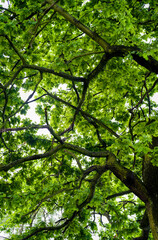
13	78
147	92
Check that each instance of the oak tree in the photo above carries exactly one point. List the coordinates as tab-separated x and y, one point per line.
90	68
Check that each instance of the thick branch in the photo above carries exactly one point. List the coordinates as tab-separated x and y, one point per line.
101	65
85	151
51	152
60	74
151	64
129	178
30	158
22	128
120	51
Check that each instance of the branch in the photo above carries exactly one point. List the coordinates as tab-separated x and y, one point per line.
94	181
60	74
145	94
67	130
85	151
38	23
75	89
33	13
46	23
83	55
26	77
51	130
34	100
14	76
96	168
151	64
103	143
82	27
15	49
30	158
149	103
5	104
22	128
129	178
51	152
78	108
45	199
5	143
101	65
76	158
118	194
45	229
29	97
89	197
100	123
120	51
93	74
8	10
56	136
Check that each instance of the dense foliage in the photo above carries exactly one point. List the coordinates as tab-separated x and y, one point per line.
91	68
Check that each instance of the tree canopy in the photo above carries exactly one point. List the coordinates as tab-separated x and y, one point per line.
91	68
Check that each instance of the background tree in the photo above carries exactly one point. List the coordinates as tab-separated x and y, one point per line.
91	67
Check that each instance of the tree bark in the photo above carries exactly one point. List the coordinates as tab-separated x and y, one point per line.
150	178
152	212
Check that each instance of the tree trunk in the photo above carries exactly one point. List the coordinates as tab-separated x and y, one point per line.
150	178
152	211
